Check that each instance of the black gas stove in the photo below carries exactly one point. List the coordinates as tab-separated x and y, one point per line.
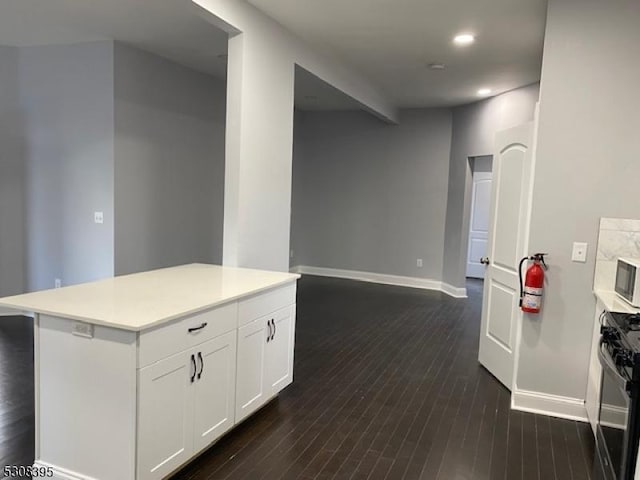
629	323
621	338
618	431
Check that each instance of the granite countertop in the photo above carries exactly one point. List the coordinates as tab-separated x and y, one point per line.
143	300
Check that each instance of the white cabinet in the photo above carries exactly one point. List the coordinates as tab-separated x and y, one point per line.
215	389
165	416
250	386
279	358
265	359
156	397
592	400
186	402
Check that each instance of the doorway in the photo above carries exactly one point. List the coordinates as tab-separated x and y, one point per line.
481	174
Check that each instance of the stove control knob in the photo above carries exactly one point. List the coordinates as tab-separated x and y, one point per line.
622	357
627	360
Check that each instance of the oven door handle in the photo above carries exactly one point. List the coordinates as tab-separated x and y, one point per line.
606	363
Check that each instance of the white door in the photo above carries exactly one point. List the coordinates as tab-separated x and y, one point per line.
479	224
165	415
250	379
215	388
510	201
279	364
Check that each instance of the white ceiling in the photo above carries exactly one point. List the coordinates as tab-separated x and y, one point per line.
170	28
392	41
312	93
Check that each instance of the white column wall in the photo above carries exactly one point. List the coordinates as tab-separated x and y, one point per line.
259	135
258	156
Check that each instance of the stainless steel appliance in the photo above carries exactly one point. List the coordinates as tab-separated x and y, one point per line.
628	280
618	429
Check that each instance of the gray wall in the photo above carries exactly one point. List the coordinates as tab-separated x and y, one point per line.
66	96
474	129
12	179
370	196
587	167
483	164
169	163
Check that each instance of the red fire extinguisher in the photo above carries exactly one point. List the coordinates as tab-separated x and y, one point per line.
531	290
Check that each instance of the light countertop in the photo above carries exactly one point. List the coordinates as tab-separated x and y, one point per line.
143	300
613	303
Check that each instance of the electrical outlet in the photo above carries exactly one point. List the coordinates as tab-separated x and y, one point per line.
81	329
290	253
57	283
579	253
98	217
419	263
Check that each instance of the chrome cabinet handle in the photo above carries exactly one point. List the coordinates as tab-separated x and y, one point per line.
273	322
269	336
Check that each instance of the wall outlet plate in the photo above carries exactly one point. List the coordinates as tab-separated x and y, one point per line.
82	329
579	253
419	263
98	217
57	283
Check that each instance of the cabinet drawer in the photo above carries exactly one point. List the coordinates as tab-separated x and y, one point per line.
264	303
165	340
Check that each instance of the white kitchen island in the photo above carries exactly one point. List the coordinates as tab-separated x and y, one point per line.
135	375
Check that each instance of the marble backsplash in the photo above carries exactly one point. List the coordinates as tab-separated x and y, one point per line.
618	237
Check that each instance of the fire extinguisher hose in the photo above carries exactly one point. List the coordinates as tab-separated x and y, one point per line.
520	278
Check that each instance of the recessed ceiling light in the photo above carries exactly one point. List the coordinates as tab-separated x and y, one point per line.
437	66
464	39
484	91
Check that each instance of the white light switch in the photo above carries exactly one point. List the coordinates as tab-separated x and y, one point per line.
98	217
579	253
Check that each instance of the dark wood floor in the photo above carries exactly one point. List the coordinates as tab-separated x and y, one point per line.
387	386
16	392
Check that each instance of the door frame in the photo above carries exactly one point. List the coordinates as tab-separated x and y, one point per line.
468	199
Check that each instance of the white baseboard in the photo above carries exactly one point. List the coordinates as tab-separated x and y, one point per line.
452	291
398	280
550	405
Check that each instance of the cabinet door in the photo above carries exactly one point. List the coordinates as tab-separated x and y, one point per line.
165	416
215	388
279	363
592	400
250	379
